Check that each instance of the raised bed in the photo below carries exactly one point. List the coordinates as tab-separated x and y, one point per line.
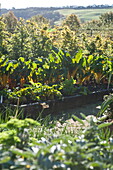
55	106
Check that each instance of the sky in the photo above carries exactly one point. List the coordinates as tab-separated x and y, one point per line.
50	3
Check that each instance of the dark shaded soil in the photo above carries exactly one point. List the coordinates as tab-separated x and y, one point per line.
89	109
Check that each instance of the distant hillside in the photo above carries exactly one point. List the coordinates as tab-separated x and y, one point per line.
56	15
85	14
28	12
49	13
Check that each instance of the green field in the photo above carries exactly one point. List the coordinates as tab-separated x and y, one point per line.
85	14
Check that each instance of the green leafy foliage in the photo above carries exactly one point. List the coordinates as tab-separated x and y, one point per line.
25	144
107	18
107	106
67	87
34	92
72	22
37	64
33	53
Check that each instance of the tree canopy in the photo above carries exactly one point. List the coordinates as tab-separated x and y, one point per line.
72	22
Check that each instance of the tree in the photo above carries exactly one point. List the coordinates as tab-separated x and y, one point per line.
10	20
72	22
107	18
4	35
19	42
95	24
40	20
68	40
